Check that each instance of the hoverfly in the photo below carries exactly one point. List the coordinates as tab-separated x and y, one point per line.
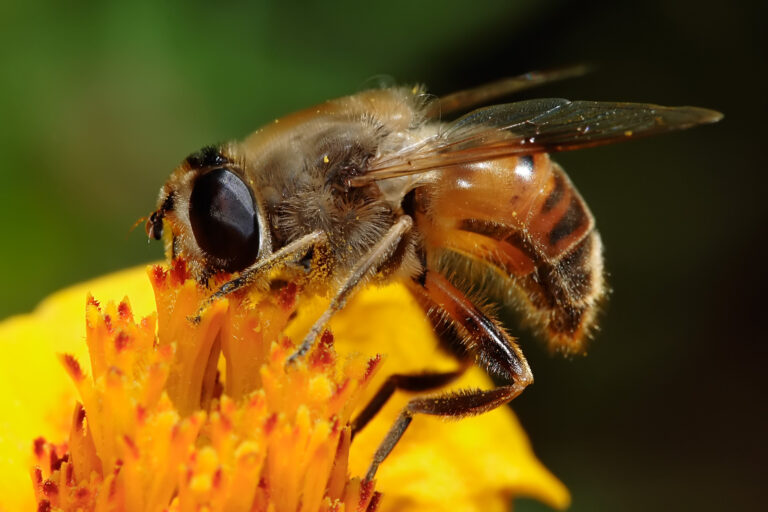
376	186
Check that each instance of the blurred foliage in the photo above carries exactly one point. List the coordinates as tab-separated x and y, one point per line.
100	100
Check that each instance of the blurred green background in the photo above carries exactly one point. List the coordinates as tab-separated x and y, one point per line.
98	102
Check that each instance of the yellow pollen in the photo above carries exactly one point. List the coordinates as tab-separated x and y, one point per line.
203	412
171	416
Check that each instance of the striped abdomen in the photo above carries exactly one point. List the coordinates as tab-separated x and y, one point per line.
523	217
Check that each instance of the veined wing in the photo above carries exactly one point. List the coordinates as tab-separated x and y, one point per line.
535	126
486	93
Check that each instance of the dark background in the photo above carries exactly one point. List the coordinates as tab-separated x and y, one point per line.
98	103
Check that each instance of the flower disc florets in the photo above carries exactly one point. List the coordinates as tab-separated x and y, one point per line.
182	415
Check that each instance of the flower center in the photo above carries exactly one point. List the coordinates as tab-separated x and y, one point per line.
181	415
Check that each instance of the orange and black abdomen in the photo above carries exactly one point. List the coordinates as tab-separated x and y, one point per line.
524	218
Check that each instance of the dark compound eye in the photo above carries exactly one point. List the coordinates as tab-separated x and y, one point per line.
154	226
224	219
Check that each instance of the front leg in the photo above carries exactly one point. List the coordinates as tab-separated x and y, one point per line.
369	264
291	251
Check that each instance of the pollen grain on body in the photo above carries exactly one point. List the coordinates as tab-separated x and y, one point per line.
182	416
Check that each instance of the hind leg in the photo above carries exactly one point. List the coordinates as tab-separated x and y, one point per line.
484	337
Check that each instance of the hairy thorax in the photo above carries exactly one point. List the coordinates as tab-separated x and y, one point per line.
303	178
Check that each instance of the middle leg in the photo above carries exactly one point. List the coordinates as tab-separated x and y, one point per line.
368	264
450	339
426	381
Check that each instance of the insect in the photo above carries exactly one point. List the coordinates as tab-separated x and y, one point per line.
376	186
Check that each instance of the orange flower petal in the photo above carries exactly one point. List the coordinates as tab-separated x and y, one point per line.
472	464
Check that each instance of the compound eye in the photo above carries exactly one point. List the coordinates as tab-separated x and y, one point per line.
224	219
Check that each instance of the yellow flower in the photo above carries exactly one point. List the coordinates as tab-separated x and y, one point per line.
136	408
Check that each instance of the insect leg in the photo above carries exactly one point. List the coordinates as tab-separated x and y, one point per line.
404	382
451	340
493	347
372	261
251	274
457	404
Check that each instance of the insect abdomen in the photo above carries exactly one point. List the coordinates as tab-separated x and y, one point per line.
523	217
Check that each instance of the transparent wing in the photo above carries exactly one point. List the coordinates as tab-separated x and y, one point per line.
486	93
534	126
